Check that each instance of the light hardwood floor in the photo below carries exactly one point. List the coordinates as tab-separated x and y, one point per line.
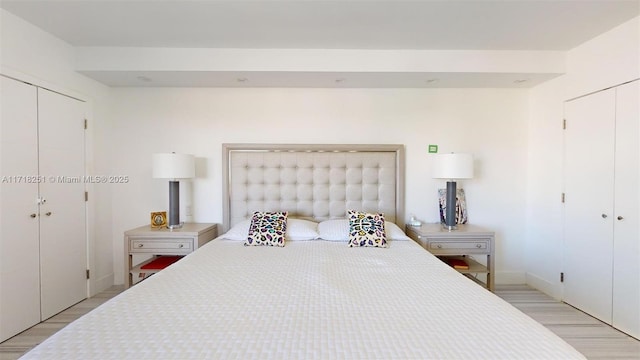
591	337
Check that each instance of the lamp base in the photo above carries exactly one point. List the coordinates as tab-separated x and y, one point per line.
174	205
176	226
450	220
450	227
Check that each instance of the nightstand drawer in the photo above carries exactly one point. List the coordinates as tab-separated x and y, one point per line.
158	245
458	245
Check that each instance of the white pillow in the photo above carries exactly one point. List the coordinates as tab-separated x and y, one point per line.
338	230
239	231
394	232
334	230
297	229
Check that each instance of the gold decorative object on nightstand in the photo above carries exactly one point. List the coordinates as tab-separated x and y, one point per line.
158	219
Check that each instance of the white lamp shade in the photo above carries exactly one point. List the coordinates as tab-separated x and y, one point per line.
453	166
173	166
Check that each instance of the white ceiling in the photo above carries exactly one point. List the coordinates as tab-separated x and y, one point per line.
313	24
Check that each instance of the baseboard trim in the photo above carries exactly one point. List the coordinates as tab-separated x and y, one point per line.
543	285
101	284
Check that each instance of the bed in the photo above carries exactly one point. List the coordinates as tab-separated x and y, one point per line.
315	297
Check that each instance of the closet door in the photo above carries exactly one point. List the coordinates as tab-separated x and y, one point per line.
589	190
63	246
19	263
626	256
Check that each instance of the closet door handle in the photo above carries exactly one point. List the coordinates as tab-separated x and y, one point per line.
48	213
604	216
620	218
33	216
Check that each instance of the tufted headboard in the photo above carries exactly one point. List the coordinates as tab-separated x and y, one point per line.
314	181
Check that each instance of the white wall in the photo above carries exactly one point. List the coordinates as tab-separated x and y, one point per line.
489	123
607	60
30	54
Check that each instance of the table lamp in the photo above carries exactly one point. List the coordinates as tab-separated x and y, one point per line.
174	167
452	167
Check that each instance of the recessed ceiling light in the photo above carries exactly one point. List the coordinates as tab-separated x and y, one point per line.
144	78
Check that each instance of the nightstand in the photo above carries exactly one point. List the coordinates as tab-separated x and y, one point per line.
157	242
466	240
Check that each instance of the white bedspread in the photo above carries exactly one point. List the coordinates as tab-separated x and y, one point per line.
308	300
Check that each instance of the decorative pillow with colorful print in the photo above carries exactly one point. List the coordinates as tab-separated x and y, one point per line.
366	229
267	228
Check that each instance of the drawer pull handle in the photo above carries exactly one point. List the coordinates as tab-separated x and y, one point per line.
33	216
439	246
620	218
140	245
48	213
478	246
181	246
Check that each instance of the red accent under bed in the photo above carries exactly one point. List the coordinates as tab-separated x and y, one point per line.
161	262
